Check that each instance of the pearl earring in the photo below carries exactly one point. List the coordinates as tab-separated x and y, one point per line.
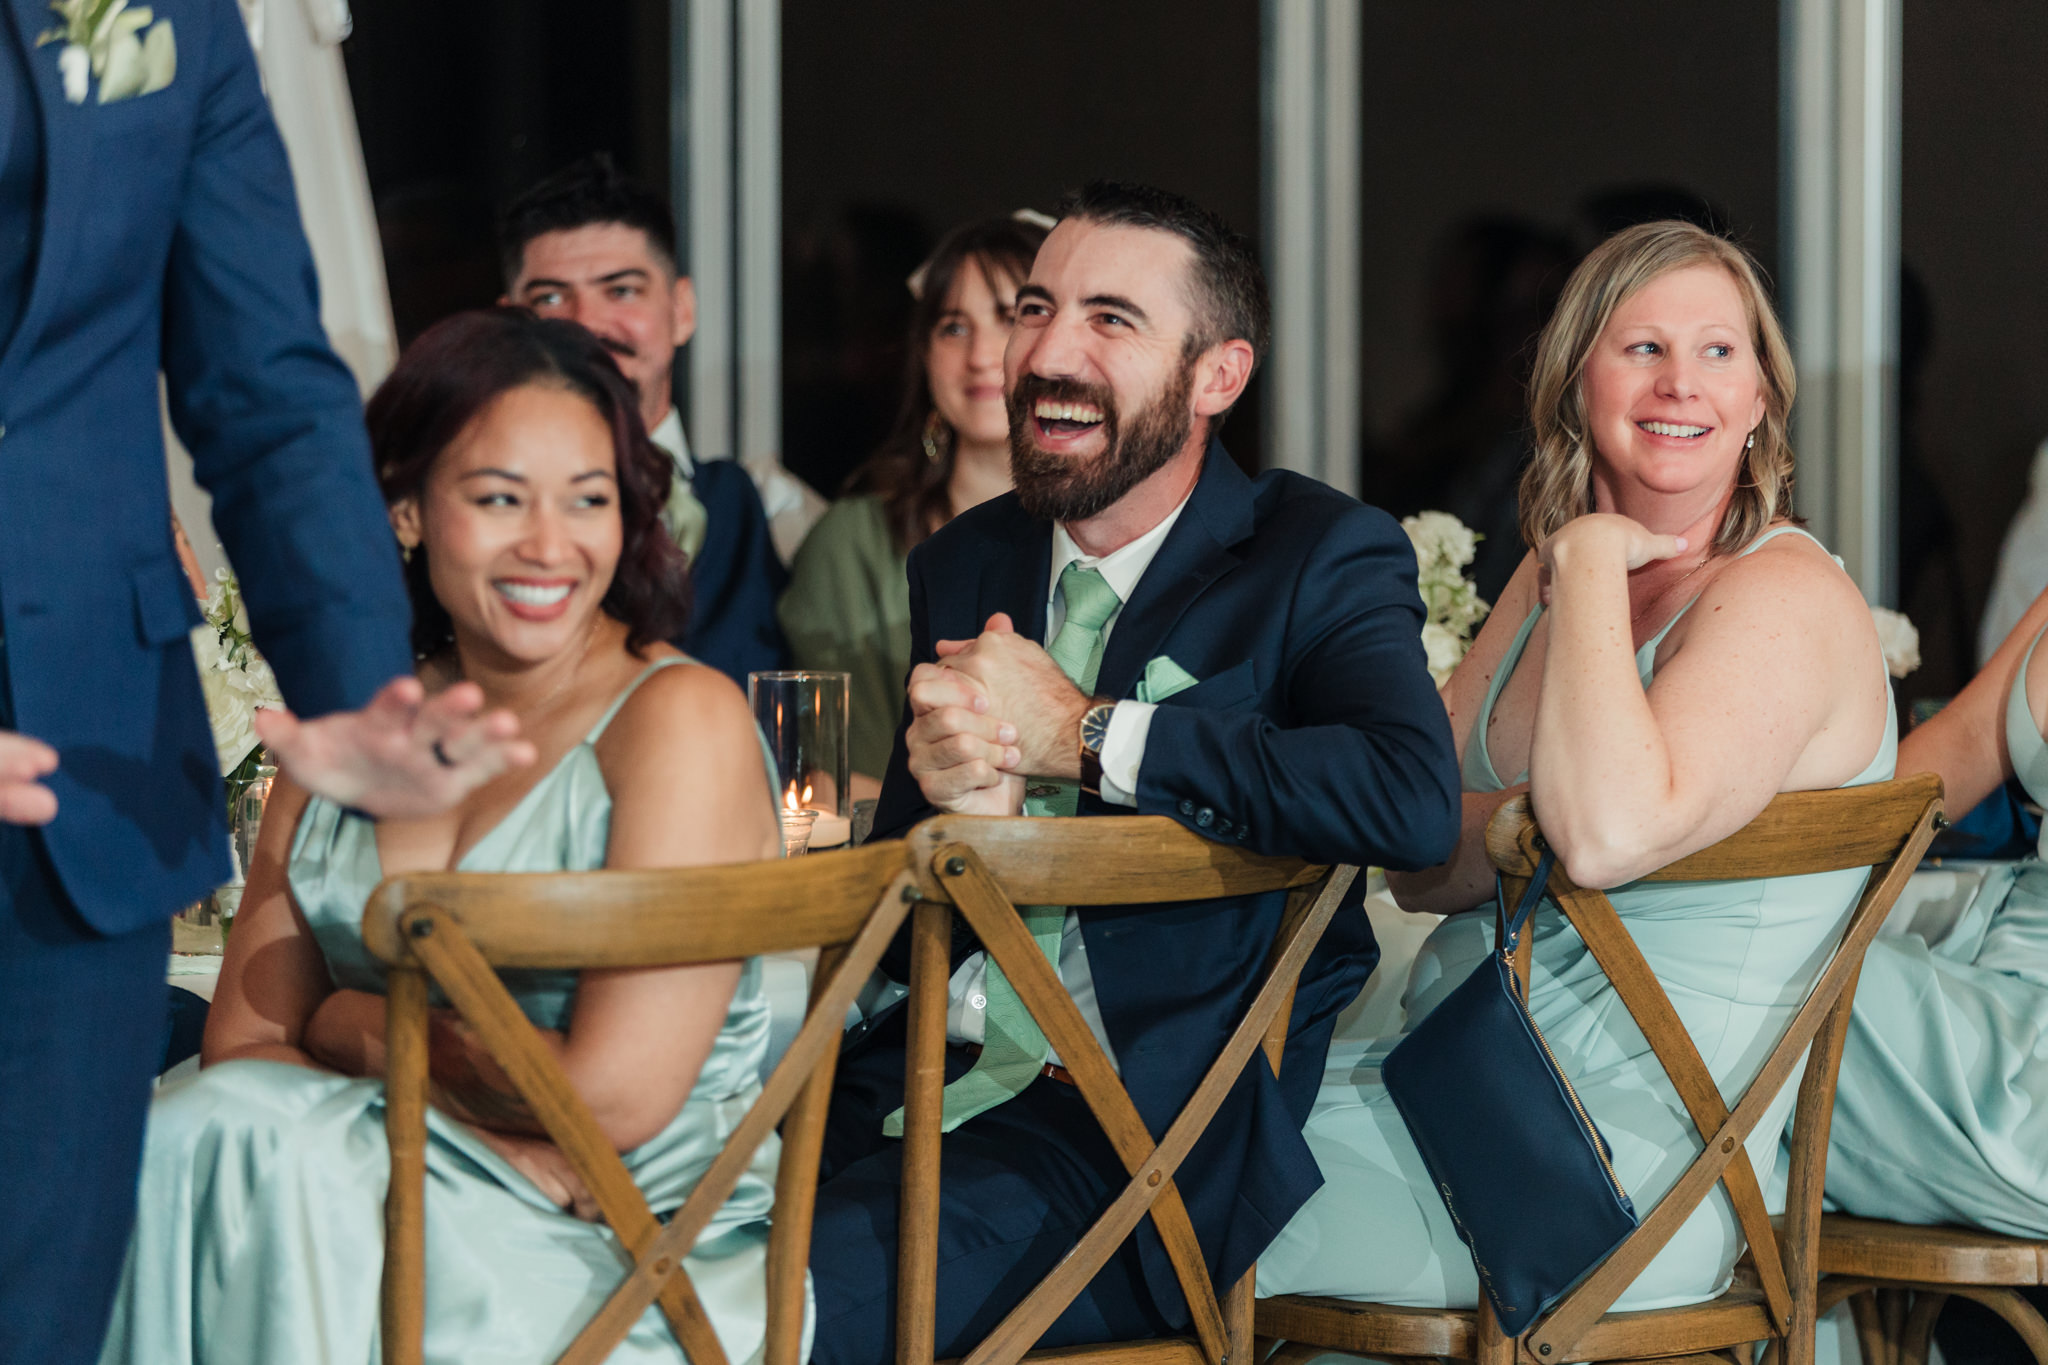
1750	444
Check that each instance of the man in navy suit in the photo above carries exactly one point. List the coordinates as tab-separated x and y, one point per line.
1138	627
147	222
592	246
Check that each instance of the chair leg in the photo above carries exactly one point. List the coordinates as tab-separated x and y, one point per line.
1919	1333
1493	1346
1870	1328
1237	1320
1891	1306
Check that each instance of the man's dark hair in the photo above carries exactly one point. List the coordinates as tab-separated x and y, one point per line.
1230	298
589	190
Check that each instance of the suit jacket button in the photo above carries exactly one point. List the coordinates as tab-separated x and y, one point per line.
1205	817
1187	808
1222	827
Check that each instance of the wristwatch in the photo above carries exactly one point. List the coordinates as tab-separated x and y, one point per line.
1094	734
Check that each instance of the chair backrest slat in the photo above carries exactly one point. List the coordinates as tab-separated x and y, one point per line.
1122	860
642	918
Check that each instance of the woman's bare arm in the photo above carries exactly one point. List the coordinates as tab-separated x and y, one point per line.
1964	745
1778	685
272	976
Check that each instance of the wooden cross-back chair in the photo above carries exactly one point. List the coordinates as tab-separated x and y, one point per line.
984	867
1897	1277
1884	827
454	929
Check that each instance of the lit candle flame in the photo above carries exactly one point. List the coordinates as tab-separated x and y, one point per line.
792	801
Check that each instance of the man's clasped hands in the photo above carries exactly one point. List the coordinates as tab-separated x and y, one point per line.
991	711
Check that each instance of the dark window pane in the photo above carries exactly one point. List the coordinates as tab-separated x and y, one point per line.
901	120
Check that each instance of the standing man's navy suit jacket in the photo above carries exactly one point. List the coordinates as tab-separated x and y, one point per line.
169	238
1314	731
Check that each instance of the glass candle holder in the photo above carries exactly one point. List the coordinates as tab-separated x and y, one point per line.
796	832
803	716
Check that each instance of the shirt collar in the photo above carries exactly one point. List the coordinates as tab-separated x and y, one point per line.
668	434
1122	567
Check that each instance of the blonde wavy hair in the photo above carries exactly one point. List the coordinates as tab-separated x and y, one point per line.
1558	485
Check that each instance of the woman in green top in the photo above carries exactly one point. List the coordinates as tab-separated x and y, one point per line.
848	603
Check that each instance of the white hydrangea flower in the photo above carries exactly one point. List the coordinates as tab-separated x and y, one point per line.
1444	648
1451	603
1900	640
233	676
1441	538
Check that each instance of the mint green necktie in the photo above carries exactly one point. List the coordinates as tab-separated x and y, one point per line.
1013	1048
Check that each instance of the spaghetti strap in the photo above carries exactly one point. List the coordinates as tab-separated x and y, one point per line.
626	693
1777	531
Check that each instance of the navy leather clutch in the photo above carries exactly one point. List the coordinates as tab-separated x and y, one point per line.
1527	1178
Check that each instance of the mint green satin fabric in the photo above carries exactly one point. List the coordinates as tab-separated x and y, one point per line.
259	1234
1941	1111
1735	959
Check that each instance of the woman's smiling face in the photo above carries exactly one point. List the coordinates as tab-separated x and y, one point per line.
519	518
1673	387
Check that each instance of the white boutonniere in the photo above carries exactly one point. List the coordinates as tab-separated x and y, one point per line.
125	47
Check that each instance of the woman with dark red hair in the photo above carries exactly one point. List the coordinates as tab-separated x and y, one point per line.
525	496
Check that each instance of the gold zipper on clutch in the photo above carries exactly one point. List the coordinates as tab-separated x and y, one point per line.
1585	1119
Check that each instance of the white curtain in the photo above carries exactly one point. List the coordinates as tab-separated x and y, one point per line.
298	50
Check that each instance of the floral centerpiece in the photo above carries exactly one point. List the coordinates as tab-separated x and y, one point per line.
236	682
1451	603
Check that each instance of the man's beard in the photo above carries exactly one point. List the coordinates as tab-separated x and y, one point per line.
1075	488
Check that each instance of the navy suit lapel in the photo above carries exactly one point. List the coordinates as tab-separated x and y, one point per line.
1196	553
67	162
1018	570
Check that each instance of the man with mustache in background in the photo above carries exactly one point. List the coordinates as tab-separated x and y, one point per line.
1137	628
592	246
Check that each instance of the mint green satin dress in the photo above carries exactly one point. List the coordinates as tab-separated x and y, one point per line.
259	1233
1735	957
1941	1112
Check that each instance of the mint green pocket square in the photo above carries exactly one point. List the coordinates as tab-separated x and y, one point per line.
1163	677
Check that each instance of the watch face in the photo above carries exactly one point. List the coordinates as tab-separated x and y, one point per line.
1095	726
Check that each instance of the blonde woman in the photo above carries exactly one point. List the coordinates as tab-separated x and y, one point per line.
1673	653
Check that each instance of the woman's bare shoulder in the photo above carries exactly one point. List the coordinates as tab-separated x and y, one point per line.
1795	574
686	710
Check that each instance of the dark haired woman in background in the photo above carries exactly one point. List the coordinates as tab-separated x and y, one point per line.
526	496
848	604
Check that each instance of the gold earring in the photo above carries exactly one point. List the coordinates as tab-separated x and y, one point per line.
405	550
933	425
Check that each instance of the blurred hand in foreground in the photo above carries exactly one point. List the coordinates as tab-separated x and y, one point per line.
402	757
24	800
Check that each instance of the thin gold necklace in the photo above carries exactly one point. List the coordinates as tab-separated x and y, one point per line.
1665	592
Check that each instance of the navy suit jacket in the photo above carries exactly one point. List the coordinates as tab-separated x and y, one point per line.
170	238
735	579
1314	731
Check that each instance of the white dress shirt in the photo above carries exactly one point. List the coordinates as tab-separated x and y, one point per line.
668	435
1123	751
